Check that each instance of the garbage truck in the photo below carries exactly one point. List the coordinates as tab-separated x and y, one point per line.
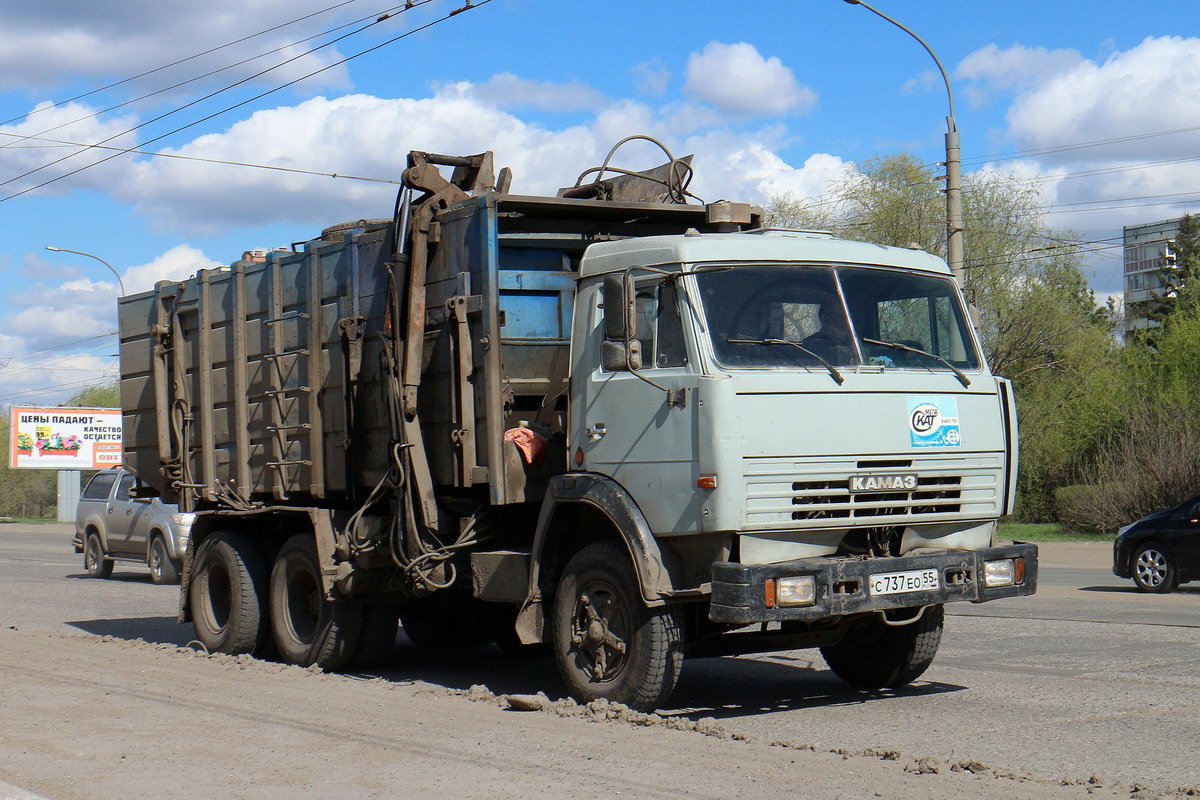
617	424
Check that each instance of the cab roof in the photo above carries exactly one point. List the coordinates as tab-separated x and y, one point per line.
757	246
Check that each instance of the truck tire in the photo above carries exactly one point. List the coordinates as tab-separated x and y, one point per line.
607	643
163	568
875	655
94	562
309	629
228	593
377	639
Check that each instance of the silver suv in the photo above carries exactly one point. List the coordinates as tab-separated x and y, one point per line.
112	524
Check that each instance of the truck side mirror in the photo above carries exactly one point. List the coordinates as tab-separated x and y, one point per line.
621	350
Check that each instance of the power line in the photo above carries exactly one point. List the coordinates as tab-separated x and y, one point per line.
199	100
53	388
1080	145
377	16
157	154
61	346
471	4
179	61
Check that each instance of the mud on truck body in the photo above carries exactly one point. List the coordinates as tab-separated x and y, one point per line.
633	431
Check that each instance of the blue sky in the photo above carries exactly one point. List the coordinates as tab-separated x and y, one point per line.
772	97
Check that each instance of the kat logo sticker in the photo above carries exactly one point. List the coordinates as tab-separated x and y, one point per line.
933	422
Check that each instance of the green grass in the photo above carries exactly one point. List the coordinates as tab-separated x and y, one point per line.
1047	532
29	520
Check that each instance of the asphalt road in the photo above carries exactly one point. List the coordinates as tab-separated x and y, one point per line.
1086	678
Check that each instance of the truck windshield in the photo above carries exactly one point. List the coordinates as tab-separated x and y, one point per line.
838	316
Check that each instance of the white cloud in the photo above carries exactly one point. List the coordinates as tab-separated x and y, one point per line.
1148	88
30	147
354	135
993	69
178	263
367	136
1124	101
64	325
927	81
44	44
746	167
506	90
735	78
651	77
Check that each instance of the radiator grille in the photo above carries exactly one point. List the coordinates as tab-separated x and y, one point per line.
832	499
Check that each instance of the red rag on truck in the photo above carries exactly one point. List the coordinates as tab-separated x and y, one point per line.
531	443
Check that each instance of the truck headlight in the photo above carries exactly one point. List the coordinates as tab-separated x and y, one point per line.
184	519
1005	572
800	590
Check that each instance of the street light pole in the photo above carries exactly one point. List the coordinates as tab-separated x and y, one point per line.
69	480
98	258
954	223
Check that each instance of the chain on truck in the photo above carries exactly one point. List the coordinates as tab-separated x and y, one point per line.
619	423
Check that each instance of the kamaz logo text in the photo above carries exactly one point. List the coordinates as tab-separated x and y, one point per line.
883	483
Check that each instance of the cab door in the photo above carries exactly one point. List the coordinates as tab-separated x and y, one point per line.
625	427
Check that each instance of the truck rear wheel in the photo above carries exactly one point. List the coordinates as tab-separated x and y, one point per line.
607	643
874	655
309	628
228	593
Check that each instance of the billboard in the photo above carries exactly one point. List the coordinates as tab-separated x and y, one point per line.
65	438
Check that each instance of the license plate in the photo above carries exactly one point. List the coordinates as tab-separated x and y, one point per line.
917	580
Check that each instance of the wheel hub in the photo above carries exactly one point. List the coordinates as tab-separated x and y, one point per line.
1151	568
602	648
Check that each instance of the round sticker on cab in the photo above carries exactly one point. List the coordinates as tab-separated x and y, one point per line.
933	422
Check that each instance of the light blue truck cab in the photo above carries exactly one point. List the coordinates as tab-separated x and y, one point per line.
822	407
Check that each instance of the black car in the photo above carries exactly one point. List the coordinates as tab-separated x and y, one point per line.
1162	550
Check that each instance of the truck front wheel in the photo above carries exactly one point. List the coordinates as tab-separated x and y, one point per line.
607	643
309	628
228	593
874	654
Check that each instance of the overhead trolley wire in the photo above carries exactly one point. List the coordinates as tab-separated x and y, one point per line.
377	17
180	61
181	157
209	96
53	388
1078	145
470	4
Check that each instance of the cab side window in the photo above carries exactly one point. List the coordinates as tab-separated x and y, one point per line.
660	329
670	347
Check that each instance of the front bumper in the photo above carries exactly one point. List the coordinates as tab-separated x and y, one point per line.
738	594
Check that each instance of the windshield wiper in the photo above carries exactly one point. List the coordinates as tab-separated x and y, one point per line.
958	373
837	376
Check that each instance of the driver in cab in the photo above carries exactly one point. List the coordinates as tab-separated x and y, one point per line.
832	341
